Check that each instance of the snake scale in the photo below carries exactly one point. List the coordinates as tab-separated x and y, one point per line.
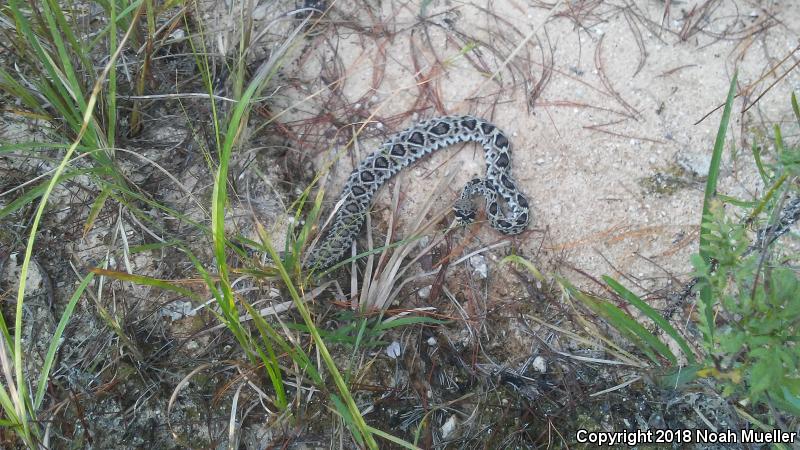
406	147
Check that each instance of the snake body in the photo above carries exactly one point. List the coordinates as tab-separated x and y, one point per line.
406	147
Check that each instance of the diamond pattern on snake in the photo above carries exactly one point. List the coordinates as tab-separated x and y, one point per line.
506	205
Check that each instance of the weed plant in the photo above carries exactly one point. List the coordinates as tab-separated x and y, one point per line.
747	293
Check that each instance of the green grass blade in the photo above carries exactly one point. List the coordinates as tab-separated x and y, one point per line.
8	406
270	361
361	425
15	89
708	196
347	418
146	281
111	96
525	263
393	439
762	172
75	48
411	320
716	160
134	249
55	341
50	10
778	139
362	331
10	148
87	118
66	111
791	399
736	202
122	20
653	315
58	98
312	219
32	194
94	211
679	376
7	423
645	341
235	124
765	201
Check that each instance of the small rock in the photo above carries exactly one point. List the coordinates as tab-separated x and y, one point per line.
478	263
423	242
696	164
449	426
393	350
424	292
539	364
260	12
177	310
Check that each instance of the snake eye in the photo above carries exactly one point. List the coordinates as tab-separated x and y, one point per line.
465	216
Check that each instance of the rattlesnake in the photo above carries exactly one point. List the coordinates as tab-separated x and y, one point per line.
409	145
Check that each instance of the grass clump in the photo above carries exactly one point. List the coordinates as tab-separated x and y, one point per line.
58	82
64	90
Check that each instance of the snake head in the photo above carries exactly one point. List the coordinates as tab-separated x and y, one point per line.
465	211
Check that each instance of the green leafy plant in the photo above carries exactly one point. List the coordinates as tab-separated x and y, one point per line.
751	342
749	315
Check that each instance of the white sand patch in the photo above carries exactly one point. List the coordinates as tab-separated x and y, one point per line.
619	106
